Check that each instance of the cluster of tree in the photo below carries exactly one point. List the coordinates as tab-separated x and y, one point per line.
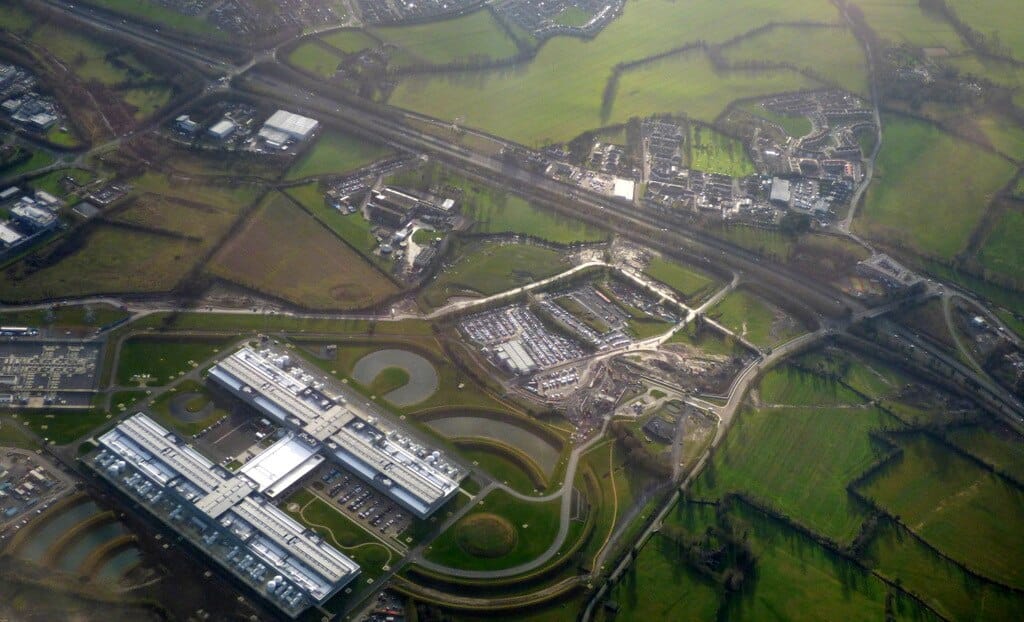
718	554
636	452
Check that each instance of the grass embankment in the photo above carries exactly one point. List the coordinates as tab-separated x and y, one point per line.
689	282
534	524
754	318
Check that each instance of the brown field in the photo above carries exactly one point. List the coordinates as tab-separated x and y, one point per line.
283	252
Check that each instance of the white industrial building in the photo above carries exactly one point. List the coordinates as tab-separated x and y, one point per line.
350	430
224	515
223	129
284	126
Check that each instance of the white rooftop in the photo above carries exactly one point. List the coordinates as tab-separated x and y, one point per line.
294	125
282	464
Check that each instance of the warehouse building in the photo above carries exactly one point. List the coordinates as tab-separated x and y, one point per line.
351	431
222	515
283	127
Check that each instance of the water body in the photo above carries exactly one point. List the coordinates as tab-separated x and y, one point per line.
87	542
423	379
458	425
116	566
41	540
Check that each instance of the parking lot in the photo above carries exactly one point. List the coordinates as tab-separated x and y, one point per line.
360	502
515	339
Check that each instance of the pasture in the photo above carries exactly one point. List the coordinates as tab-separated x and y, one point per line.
283	252
352	228
997	20
1002	252
799	460
962	510
944	586
688	281
334	153
467	38
904	21
791	386
831	53
558	94
487	269
993	444
931	189
349	41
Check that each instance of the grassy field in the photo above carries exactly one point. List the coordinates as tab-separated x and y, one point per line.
932	189
998	446
559	93
795	578
791	386
1003	134
499	466
708	340
162	360
36	161
63	427
535	525
197	398
754	318
799	460
795	126
13	434
903	21
1002	252
486	269
339	531
994	17
167	17
831	53
349	41
497	211
689	282
315	58
352	228
714	152
335	153
462	39
99	266
957	507
50	182
283	252
944	586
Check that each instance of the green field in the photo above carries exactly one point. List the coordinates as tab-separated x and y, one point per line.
469	38
335	153
931	189
487	269
1000	447
535	525
830	53
315	58
754	318
991	17
944	586
903	21
689	282
99	266
960	509
283	252
799	460
1002	252
36	161
559	93
162	360
339	531
791	386
167	17
352	228
63	427
50	182
794	577
349	41
795	126
708	341
500	466
498	211
714	152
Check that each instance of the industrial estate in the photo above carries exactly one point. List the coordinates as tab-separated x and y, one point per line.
552	311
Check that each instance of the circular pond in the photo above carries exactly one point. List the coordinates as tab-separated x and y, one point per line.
422	377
